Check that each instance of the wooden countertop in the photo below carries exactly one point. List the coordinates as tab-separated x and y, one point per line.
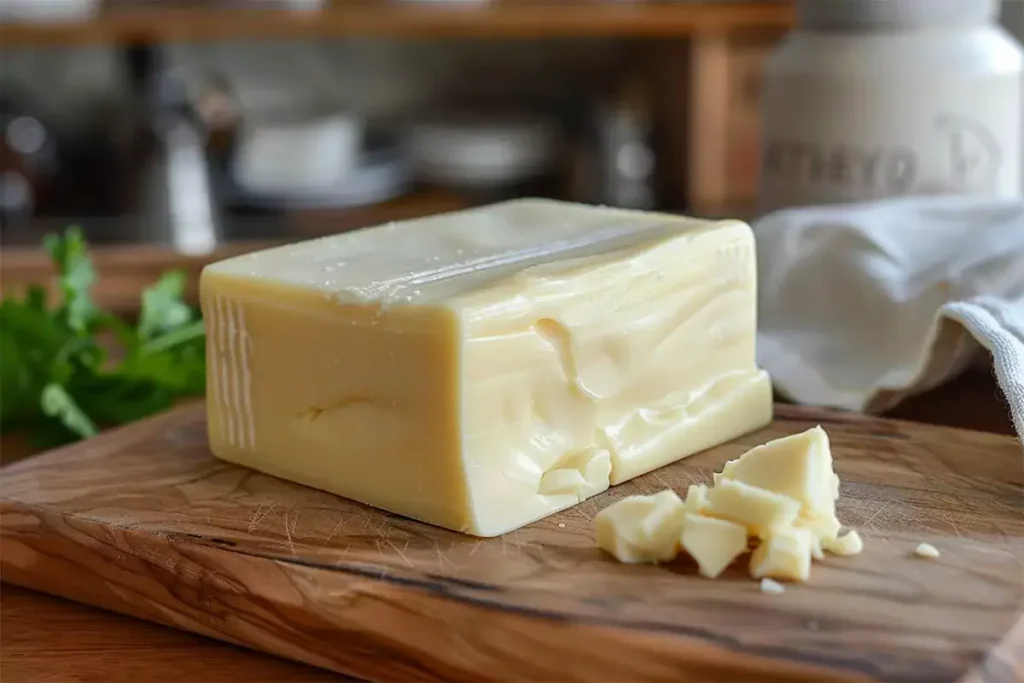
192	20
47	639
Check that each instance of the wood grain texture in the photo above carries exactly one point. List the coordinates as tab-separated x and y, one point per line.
144	521
51	640
34	627
141	20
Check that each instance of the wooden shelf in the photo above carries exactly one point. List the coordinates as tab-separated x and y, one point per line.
124	270
195	20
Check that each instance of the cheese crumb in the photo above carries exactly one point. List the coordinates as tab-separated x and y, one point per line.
786	554
712	543
641	528
759	510
778	499
845	545
696	499
926	550
798	467
817	551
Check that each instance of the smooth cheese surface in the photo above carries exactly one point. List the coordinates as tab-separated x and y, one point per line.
483	369
437	258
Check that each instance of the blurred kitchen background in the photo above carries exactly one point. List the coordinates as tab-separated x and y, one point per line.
178	132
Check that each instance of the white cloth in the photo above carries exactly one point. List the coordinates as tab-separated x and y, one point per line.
863	305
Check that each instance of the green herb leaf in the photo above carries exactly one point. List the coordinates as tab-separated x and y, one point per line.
56	375
75	276
176	360
56	402
116	398
30	340
163	306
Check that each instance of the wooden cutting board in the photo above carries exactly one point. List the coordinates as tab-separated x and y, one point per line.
145	521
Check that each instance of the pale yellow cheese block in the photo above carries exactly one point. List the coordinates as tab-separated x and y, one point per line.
484	369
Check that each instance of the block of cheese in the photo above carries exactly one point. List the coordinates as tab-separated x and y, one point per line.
483	369
641	528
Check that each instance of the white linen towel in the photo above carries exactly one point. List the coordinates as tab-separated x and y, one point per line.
863	305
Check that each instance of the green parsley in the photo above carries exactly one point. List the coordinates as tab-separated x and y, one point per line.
60	380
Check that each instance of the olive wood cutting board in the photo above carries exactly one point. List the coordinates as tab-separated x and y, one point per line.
143	520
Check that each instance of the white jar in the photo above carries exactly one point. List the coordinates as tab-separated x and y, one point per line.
877	98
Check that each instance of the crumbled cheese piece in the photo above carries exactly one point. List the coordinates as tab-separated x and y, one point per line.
641	528
799	467
696	499
846	545
817	550
781	494
786	554
712	543
759	510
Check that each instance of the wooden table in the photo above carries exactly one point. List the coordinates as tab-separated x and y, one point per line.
45	639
